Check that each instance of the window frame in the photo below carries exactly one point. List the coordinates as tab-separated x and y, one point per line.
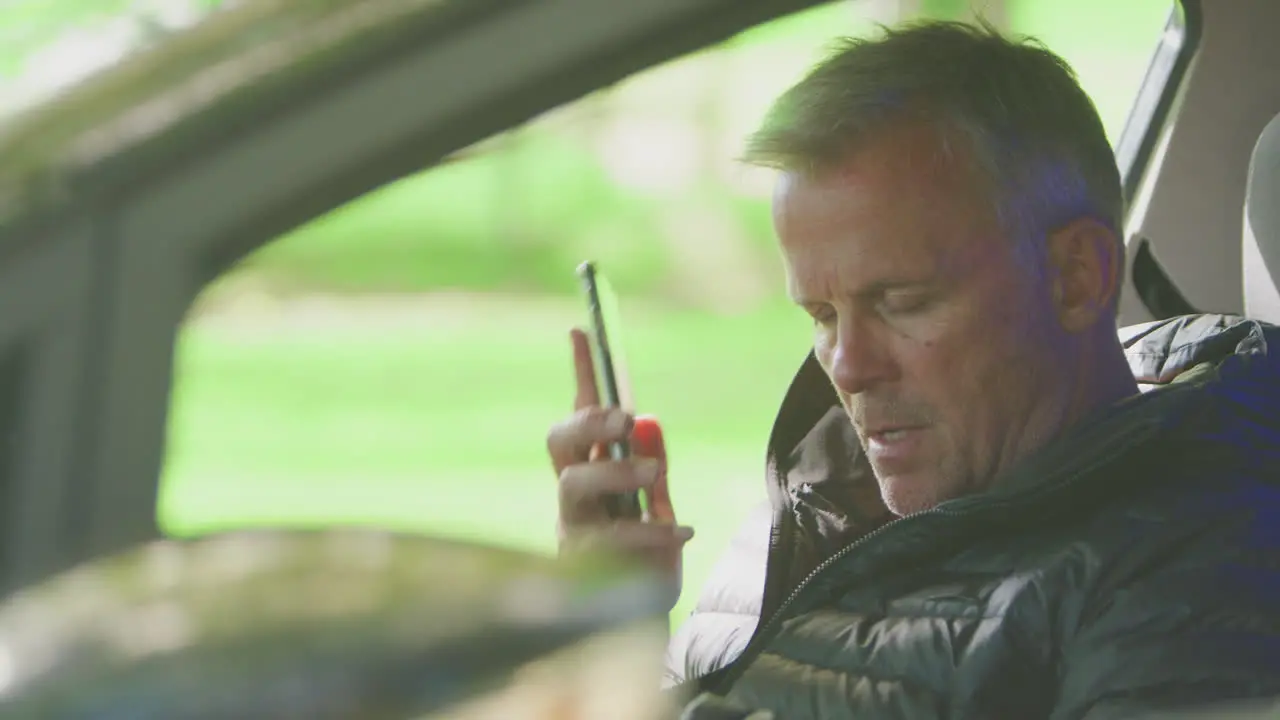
1157	95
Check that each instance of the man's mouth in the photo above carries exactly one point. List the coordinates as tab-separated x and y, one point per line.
892	433
898	442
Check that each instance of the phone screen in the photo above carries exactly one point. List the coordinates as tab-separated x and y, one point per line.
604	330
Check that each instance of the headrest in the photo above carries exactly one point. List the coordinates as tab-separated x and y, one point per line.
1261	252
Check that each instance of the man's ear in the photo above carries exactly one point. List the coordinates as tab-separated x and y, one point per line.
1084	262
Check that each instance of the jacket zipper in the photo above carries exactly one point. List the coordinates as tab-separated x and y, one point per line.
756	645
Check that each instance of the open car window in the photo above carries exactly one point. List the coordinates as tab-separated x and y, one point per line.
398	361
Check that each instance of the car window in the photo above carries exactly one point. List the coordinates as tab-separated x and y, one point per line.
399	360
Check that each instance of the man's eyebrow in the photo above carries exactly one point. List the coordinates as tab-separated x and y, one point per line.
898	284
872	290
869	291
878	288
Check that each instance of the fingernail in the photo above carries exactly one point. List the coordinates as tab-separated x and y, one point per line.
684	533
618	423
647	470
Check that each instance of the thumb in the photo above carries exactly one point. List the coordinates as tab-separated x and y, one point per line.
646	441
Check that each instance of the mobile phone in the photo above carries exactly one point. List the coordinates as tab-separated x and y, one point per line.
611	381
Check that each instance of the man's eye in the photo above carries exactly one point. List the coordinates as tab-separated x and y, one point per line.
899	304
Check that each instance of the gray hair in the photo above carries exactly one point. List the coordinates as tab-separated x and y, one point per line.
1028	125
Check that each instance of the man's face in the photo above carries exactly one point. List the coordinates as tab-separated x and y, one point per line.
934	332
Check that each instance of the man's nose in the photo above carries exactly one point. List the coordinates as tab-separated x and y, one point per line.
861	359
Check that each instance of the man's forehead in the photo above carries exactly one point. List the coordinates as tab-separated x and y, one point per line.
885	213
862	244
920	147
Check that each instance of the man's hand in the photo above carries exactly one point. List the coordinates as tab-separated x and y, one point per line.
586	475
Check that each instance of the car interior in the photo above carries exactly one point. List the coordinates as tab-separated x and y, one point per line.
125	196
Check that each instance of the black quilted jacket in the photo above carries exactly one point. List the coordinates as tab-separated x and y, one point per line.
1131	568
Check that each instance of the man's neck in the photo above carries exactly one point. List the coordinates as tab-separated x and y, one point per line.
1102	378
1097	376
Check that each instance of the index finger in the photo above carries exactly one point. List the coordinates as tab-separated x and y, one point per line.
588	395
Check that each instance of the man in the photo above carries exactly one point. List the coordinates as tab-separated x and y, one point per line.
975	512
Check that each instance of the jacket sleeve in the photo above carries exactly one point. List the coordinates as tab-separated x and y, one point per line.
713	707
728	605
1199	634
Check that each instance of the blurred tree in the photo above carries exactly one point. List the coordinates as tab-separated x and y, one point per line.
891	11
28	25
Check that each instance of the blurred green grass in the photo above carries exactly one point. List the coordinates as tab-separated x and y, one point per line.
439	426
